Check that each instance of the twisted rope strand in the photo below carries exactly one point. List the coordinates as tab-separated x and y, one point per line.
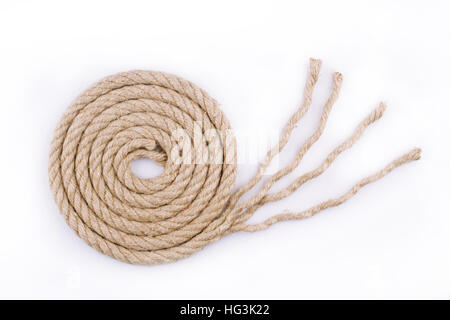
410	156
314	68
155	115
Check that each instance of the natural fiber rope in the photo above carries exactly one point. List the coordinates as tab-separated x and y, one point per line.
134	115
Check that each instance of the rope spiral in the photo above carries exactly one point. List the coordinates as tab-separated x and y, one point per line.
134	115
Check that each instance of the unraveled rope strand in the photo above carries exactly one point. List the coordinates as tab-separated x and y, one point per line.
148	221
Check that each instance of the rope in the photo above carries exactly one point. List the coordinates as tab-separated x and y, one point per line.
145	114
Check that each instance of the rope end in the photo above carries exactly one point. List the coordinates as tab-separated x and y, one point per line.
314	66
415	154
338	76
377	113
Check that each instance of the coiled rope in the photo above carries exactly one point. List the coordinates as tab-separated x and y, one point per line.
134	115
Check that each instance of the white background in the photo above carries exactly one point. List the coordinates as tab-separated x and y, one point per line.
389	241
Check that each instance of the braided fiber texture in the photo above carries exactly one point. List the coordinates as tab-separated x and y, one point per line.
145	114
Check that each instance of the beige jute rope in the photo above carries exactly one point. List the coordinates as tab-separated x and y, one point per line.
134	115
